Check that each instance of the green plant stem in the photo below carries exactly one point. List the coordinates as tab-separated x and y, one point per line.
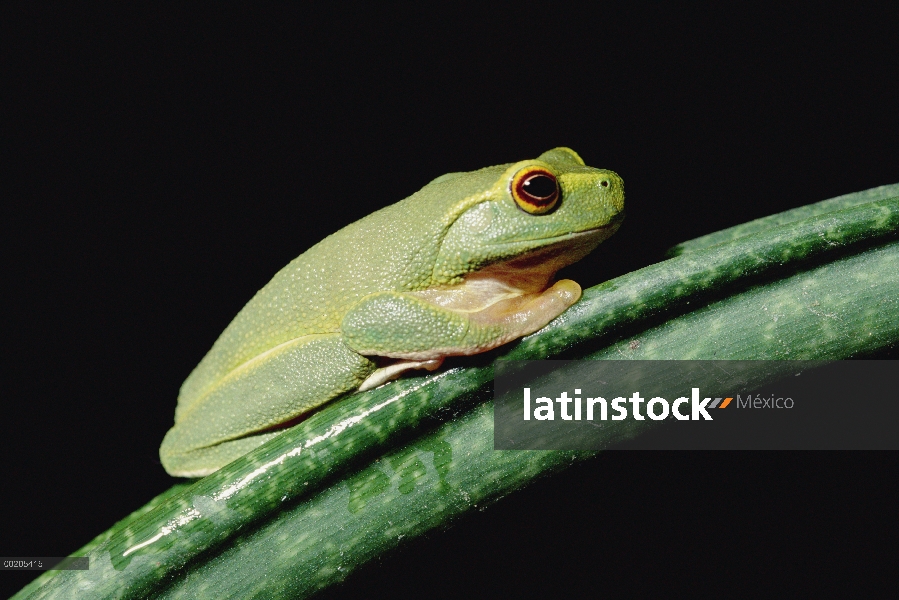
442	475
303	470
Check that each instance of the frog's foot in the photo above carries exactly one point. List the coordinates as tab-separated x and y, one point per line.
517	316
394	370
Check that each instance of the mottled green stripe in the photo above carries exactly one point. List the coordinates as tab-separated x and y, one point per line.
837	310
790	216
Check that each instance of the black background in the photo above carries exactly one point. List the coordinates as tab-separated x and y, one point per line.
163	164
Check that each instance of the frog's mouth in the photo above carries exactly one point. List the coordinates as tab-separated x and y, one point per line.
532	271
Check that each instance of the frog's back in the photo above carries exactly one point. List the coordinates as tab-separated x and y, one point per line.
391	249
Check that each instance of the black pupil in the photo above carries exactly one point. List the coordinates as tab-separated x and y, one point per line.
540	186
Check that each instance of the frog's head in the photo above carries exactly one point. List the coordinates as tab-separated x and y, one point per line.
536	217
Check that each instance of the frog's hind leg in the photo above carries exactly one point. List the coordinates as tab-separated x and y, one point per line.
258	398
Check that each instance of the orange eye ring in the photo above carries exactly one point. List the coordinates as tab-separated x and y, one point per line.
535	190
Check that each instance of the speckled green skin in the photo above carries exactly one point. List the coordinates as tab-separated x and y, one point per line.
385	316
313	332
821	289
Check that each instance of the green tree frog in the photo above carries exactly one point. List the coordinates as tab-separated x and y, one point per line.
460	267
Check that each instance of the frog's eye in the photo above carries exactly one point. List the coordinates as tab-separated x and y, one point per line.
535	190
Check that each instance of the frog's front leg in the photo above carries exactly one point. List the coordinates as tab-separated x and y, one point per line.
451	321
